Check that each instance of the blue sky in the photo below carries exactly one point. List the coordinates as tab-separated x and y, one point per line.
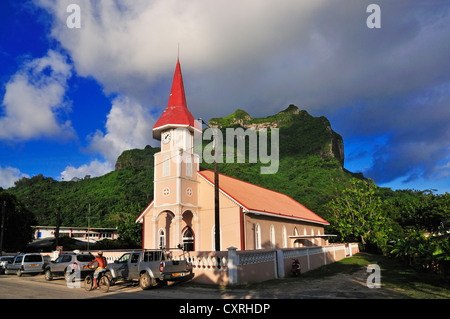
71	100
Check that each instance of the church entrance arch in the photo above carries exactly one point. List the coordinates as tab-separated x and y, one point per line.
188	239
164	223
187	234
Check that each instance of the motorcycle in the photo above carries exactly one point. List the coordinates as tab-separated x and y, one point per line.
295	268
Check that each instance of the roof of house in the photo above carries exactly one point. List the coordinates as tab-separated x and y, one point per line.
144	212
176	114
260	200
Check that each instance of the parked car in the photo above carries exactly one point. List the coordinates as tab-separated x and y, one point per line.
150	267
26	264
4	260
67	264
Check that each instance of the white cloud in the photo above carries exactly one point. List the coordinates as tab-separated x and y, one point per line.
262	55
256	54
130	45
34	100
129	125
94	169
9	175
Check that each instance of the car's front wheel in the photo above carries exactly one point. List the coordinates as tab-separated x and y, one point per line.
48	275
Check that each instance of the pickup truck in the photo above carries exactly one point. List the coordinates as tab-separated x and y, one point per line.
150	267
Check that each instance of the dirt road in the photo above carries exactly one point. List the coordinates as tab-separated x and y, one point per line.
341	286
35	287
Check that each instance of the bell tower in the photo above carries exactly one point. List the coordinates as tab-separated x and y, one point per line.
175	173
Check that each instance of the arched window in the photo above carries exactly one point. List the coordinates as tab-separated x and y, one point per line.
166	166
312	234
188	239
296	244
257	236
284	237
272	236
162	238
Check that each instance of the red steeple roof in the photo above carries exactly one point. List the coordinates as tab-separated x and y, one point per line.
177	95
176	113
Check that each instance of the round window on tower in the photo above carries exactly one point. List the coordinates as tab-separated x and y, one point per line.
189	191
166	191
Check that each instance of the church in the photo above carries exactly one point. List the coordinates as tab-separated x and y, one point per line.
183	209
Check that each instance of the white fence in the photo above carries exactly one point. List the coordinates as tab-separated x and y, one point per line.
239	267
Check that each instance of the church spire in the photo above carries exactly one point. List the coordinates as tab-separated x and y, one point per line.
176	113
177	95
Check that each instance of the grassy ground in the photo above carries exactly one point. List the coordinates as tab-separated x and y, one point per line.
399	280
407	281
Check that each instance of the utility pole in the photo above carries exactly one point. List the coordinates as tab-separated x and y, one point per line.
89	226
216	190
3	226
216	197
58	223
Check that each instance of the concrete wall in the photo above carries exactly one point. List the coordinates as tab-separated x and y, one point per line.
241	267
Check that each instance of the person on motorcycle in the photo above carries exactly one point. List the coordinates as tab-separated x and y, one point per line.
101	266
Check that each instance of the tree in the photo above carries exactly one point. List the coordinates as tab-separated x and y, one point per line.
423	210
129	231
357	215
17	223
425	243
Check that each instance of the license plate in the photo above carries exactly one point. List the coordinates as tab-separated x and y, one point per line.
178	274
33	265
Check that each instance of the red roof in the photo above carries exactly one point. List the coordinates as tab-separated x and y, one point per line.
176	114
256	199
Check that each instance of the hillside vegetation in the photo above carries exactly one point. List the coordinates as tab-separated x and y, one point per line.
311	170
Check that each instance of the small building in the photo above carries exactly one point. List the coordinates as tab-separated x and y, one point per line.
183	209
80	233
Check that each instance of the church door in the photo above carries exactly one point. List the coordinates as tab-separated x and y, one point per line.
188	239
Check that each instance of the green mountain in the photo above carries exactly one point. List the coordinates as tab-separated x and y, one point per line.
301	133
310	171
102	198
311	168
